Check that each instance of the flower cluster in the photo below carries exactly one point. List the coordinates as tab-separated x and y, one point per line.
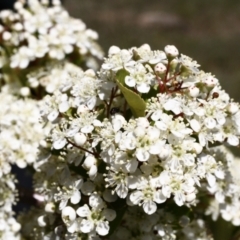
149	129
38	34
21	131
40	47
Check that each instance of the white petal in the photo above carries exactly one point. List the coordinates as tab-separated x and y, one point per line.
113	50
156	115
211	179
21	163
86	226
91	103
142	155
60	143
159	197
210	122
121	190
195	125
72	227
24	63
97	123
164	178
149	207
143	88
220	119
95	201
153	133
72	131
173	105
156	148
83	211
102	228
87	129
89	162
69	212
76	197
117	125
107	66
233	140
179	198
41	221
132	165
63	204
202	139
93	172
130	81
136	197
63	107
52	116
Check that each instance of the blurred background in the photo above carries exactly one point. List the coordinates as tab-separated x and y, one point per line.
207	31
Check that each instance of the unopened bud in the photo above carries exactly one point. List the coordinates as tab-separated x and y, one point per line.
171	51
50	207
193	91
160	68
25	91
113	50
41	221
233	107
6	36
210	81
80	139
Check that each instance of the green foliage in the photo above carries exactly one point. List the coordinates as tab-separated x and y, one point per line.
135	102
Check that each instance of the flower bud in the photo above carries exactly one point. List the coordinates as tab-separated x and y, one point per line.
113	50
232	107
89	162
90	73
6	36
80	139
160	68
171	51
50	207
41	221
193	91
210	81
68	213
25	91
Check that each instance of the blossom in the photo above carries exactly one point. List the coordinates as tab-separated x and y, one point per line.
97	218
133	142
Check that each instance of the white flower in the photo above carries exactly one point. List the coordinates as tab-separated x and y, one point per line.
140	78
22	58
119	178
147	195
120	60
96	218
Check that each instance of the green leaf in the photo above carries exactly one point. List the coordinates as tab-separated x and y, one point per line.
135	102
